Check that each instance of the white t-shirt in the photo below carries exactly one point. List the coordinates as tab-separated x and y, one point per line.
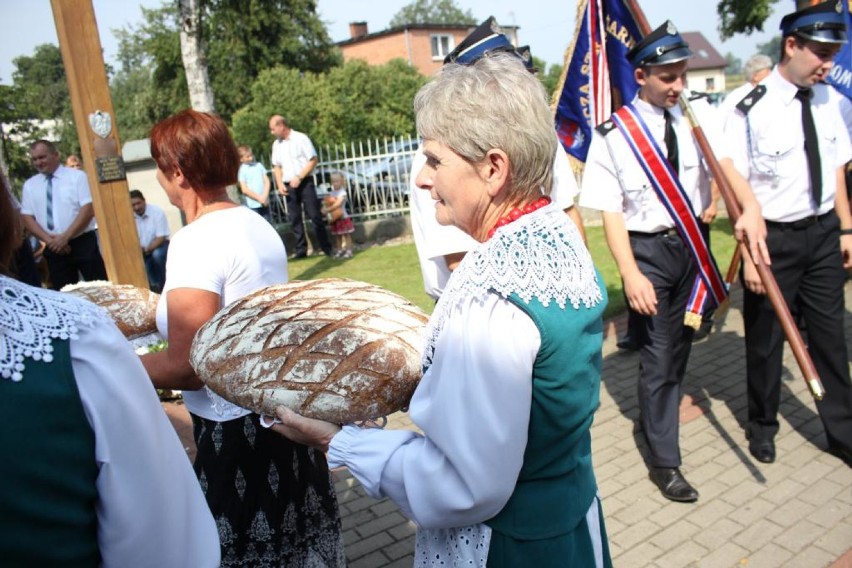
433	240
292	154
231	252
151	224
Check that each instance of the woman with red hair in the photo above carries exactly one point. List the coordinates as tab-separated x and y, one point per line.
272	499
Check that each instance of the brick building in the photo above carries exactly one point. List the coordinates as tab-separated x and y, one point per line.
423	46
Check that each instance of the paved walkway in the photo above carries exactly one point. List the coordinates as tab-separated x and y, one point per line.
796	512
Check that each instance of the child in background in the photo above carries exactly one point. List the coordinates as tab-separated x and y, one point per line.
342	226
254	183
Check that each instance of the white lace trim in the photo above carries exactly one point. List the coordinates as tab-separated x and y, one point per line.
227	410
31	318
450	548
541	255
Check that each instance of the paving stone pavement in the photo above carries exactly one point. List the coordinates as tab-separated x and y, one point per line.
795	513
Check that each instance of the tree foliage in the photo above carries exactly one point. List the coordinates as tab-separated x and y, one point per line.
432	12
352	102
772	48
735	64
242	38
36	105
742	16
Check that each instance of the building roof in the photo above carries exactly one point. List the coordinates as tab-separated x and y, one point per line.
399	29
705	55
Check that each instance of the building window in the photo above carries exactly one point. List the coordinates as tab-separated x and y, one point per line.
711	84
442	45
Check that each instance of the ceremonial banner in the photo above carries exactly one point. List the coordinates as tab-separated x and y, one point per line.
598	77
840	75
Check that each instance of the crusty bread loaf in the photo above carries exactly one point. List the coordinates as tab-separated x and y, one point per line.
332	349
133	309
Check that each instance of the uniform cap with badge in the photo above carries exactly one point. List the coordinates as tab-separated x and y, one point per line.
484	40
823	23
662	46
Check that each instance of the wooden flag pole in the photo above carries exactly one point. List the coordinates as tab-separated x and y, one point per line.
773	292
80	46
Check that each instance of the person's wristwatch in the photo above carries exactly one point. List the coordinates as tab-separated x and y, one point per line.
845	232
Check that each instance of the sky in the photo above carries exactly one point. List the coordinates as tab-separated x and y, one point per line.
546	25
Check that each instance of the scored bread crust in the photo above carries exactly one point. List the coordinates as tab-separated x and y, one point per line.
133	309
332	349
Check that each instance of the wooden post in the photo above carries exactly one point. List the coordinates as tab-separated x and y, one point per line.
82	57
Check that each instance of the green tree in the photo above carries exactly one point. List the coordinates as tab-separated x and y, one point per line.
742	16
353	102
242	38
735	64
549	75
772	48
432	12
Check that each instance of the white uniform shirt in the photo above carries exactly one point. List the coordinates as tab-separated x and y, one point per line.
733	99
70	194
614	181
768	148
434	241
292	154
151	224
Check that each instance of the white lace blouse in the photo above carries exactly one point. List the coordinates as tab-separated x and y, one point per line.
150	509
473	403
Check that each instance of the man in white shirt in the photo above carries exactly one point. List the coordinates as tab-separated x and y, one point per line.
293	160
755	70
657	263
57	209
789	139
153	230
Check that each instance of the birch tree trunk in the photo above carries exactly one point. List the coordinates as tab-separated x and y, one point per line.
193	56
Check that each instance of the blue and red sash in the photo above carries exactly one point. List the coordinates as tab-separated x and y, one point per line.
709	285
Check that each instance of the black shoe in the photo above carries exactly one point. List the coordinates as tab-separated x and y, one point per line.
703	331
627	344
842	453
300	255
762	450
672	484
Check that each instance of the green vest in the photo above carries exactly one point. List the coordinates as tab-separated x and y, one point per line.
47	468
556	485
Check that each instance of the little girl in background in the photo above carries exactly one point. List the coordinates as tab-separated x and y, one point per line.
334	207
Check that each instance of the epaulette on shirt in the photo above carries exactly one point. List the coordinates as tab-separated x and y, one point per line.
605	128
750	99
696	96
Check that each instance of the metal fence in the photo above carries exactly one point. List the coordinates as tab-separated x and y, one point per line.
377	175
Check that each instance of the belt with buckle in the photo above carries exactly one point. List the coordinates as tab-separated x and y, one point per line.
799	224
664	233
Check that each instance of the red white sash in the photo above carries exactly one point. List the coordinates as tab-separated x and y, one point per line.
709	285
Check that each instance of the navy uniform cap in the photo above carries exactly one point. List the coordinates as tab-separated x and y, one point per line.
662	46
485	39
824	23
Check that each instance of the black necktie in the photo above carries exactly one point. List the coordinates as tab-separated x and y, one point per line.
811	145
671	142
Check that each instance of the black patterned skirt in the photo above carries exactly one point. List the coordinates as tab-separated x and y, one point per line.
273	499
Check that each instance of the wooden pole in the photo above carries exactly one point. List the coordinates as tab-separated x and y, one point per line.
82	57
773	292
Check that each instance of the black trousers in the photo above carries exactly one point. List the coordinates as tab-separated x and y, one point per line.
23	265
665	342
306	196
84	258
808	267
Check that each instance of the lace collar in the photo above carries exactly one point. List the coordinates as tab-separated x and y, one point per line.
31	318
541	255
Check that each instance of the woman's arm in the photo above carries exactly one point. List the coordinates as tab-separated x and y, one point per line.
188	309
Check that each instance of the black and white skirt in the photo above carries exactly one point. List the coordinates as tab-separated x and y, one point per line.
273	499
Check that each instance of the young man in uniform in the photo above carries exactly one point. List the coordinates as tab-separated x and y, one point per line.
789	140
642	164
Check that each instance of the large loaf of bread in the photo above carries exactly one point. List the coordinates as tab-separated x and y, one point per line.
333	349
133	309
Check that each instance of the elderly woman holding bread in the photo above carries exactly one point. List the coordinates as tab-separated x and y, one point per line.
272	499
502	472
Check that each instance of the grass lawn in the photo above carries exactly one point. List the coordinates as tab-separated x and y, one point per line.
395	267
